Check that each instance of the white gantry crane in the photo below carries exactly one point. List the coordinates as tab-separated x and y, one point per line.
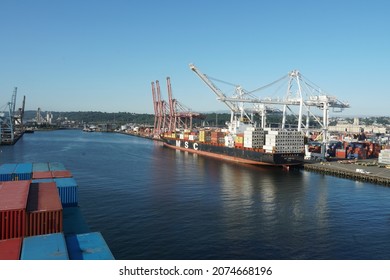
235	104
11	121
300	92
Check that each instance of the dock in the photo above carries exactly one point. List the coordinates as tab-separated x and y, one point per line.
360	170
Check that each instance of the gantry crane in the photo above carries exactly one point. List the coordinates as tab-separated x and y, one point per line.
171	115
294	97
11	122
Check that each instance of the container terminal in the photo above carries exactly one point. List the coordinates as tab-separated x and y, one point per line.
40	218
247	141
11	121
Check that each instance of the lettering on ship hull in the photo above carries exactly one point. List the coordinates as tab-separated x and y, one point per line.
237	155
195	146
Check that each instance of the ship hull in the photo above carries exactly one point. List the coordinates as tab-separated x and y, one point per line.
240	155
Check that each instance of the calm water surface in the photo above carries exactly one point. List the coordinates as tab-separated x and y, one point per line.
151	202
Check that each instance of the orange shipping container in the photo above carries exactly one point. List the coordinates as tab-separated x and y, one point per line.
10	249
61	174
44	209
41	175
13	201
340	153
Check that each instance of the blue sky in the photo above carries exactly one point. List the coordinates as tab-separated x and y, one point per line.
103	55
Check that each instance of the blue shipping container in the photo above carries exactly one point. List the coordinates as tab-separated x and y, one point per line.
68	190
40	166
45	247
23	171
56	166
6	171
88	246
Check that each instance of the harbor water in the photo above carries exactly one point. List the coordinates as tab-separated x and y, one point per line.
150	202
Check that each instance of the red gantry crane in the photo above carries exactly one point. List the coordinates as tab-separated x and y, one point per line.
171	115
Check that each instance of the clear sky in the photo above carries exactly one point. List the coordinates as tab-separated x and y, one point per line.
92	55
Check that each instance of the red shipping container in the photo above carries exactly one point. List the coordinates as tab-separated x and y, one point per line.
44	209
13	202
42	175
10	249
340	153
61	174
238	145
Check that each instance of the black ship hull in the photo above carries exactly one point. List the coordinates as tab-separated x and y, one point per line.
242	155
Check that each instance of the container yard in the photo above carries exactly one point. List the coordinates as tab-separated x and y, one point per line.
41	218
368	170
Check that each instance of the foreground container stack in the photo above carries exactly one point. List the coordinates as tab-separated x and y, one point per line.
13	203
40	218
6	171
44	209
10	248
45	247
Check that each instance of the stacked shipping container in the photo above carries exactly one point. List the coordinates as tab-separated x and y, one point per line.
13	203
254	137
205	136
280	141
384	157
44	209
32	215
22	171
6	171
88	246
284	141
44	247
10	249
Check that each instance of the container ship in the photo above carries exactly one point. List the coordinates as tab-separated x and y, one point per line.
40	218
258	146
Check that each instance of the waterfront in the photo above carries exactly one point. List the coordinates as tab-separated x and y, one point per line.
150	202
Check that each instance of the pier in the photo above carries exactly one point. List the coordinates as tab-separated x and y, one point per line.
361	170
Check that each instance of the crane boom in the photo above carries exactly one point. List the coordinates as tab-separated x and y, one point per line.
13	101
232	106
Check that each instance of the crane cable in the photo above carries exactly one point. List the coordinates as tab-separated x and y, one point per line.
221	81
266	86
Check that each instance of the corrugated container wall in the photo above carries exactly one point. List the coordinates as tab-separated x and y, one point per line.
44	209
6	171
88	246
10	249
68	191
23	171
45	247
13	202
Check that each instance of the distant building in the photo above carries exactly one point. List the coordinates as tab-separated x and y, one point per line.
345	127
